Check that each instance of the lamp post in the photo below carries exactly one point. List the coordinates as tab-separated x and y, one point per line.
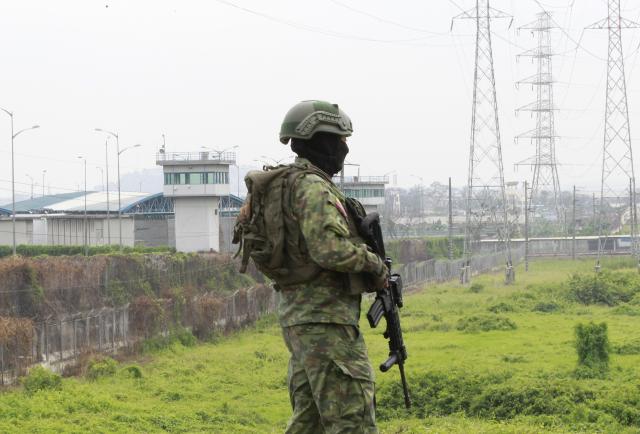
86	243
31	178
43	173
119	204
118	151
106	162
13	177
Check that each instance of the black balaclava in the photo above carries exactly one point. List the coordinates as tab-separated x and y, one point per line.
325	150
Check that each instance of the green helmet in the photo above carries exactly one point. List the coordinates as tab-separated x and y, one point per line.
306	118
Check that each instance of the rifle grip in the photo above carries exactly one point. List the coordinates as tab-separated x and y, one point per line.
375	313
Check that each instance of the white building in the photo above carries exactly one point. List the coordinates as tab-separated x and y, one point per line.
59	220
369	190
196	182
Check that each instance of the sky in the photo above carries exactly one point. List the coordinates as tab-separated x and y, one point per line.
222	73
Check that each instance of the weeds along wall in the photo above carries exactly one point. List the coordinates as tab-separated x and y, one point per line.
56	310
53	309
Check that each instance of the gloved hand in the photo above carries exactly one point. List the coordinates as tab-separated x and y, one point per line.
380	279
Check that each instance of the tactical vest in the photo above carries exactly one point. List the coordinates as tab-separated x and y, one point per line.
269	232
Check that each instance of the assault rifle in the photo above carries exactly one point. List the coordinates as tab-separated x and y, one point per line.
387	303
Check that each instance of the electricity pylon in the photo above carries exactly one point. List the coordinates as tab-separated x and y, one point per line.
545	168
486	204
617	158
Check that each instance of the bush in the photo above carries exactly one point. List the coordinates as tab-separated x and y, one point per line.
546	307
476	287
606	287
40	378
501	307
592	346
133	371
485	323
101	367
38	250
178	336
627	348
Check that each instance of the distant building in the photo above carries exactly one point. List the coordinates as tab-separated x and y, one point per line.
196	182
369	190
59	219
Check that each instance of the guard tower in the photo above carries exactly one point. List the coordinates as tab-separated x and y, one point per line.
196	181
369	190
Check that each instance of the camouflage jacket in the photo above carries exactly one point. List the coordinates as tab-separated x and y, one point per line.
332	242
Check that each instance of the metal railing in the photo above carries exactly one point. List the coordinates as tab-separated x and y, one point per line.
223	157
361	179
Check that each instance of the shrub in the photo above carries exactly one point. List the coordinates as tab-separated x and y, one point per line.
485	323
546	307
501	307
101	367
592	346
605	287
40	378
38	250
627	348
476	287
133	371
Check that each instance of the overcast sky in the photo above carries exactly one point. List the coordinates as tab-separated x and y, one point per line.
206	73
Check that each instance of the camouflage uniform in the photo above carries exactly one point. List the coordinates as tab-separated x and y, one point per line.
331	383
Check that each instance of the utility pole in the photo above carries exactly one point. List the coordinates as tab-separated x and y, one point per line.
573	226
450	223
486	204
617	161
526	227
545	169
13	175
106	162
85	238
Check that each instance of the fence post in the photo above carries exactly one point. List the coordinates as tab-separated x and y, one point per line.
61	342
113	330
75	337
46	341
2	362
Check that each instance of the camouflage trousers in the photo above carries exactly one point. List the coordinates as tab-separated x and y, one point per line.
331	383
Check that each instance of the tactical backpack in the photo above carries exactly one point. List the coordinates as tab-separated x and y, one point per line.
267	230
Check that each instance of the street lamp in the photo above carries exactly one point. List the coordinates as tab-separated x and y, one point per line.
100	130
86	243
106	162
43	172
119	204
13	177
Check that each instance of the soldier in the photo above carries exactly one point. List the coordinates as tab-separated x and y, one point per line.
331	383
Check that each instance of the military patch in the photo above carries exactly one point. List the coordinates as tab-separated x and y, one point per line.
340	208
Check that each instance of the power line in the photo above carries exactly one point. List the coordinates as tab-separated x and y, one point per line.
387	21
322	31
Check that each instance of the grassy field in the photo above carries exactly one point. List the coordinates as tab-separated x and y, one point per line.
516	377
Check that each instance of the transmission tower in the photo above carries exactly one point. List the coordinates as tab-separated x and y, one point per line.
617	159
545	169
486	204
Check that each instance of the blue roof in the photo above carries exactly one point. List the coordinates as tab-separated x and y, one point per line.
42	202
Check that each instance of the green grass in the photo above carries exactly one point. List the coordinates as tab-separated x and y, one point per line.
507	380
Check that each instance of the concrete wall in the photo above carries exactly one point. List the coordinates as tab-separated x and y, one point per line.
226	235
24	231
197	224
150	232
66	231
